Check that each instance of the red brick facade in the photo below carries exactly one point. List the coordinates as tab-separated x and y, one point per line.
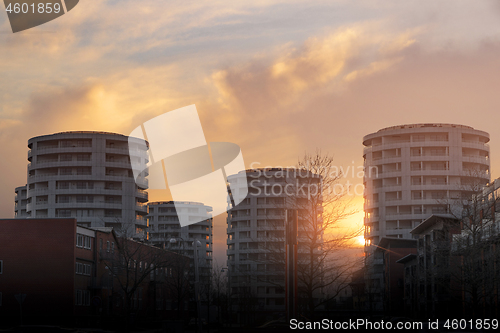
72	273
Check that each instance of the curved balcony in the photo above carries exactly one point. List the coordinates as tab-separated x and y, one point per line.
436	187
371	205
372	219
142	209
142	196
141	222
117	150
423	172
388	188
400	231
385	160
400	216
242	217
87	205
132	152
387	174
430	158
476	144
56	164
236	229
118	164
39	178
62	150
372	233
476	159
248	250
141	182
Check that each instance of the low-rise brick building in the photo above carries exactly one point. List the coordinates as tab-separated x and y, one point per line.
62	273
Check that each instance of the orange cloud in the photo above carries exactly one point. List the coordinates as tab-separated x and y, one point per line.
329	61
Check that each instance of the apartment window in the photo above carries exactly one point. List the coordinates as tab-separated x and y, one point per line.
438	166
1	266
112	247
100	243
439	137
83	157
83	171
107	246
438	181
66	171
418	138
79	268
79	240
66	158
78	299
416	181
63	199
86	270
63	185
64	213
88	242
84	198
84	143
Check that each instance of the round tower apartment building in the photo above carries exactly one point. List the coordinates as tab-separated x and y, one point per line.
414	171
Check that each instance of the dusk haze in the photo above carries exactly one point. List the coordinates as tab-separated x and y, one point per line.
173	166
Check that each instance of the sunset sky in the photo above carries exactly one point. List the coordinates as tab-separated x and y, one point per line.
278	78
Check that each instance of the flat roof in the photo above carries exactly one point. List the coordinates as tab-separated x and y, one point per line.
424	125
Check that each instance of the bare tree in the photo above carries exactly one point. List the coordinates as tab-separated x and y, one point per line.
220	291
321	237
134	265
315	191
178	282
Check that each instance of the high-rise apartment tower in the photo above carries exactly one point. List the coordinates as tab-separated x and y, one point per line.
256	234
414	171
88	176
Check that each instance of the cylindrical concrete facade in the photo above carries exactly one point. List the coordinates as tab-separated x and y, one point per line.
87	175
414	171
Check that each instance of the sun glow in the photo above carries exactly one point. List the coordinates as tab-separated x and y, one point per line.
360	240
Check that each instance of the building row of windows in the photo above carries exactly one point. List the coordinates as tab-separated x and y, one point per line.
174	210
82	297
63	158
82	213
83	241
110	246
83	269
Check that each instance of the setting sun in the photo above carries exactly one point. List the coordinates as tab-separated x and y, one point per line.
360	240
